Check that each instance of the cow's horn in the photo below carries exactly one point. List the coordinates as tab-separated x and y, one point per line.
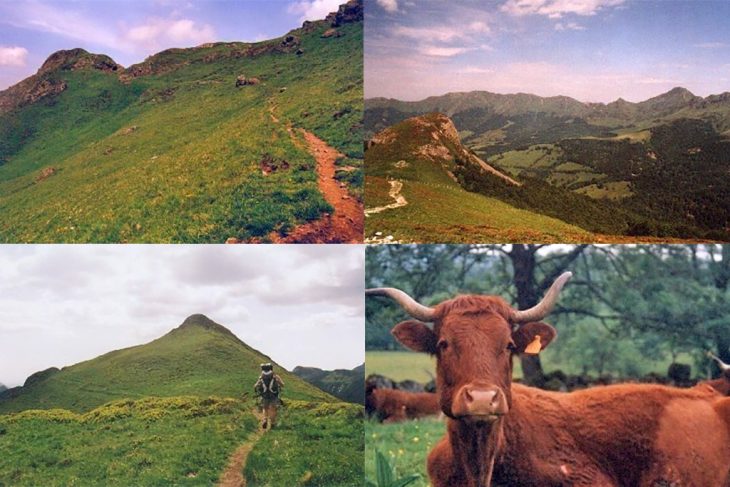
723	366
543	308
410	305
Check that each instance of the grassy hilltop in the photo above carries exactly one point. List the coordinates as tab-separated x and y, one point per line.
171	150
174	411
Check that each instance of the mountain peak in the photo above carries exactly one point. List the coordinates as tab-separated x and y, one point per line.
199	320
76	59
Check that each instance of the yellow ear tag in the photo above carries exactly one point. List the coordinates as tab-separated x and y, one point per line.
534	347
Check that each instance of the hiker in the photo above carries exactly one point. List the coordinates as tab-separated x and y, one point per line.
268	387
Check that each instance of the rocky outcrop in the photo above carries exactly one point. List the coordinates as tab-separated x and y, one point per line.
348	13
244	81
48	81
331	33
45	173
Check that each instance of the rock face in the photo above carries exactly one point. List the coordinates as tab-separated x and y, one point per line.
348	13
48	81
244	81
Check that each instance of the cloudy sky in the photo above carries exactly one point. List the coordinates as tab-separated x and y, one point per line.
59	305
592	50
130	30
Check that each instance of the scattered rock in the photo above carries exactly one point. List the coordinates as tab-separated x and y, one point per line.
108	151
299	52
282	90
129	130
232	240
290	41
243	81
269	164
331	33
341	113
46	173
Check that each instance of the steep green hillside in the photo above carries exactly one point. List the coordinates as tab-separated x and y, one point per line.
172	150
423	161
341	383
200	357
654	169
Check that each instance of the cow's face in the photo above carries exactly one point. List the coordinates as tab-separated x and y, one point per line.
474	342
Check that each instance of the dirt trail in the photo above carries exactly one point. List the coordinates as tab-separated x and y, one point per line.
233	476
347	223
400	200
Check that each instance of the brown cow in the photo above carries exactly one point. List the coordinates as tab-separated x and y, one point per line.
621	435
391	405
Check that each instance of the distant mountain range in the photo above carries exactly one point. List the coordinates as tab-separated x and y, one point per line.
199	357
657	168
344	384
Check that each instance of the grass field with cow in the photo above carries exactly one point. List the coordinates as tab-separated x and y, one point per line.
628	315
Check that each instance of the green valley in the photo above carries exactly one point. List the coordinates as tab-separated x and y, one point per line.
620	171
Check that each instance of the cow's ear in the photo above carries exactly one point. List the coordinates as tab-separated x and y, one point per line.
532	338
416	336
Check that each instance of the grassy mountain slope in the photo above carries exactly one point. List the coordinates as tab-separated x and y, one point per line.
425	155
181	440
199	358
656	168
341	383
171	441
314	444
171	150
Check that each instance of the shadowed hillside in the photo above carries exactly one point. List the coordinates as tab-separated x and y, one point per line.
342	383
199	357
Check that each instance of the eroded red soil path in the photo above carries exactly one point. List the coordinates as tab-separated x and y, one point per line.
346	224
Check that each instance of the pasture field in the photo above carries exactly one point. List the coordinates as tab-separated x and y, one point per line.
154	441
183	440
318	444
400	365
444	212
405	445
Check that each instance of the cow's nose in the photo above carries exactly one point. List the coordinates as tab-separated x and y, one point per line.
479	401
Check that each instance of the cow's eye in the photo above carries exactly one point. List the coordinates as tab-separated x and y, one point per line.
511	346
442	345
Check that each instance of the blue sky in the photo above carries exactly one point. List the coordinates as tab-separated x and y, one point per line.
592	50
130	30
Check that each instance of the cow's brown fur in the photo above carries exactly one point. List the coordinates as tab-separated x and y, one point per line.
622	435
392	405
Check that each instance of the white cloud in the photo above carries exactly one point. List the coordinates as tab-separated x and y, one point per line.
99	298
389	5
475	70
444	51
560	26
555	9
313	9
13	56
163	33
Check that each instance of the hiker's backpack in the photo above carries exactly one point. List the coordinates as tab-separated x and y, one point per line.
269	384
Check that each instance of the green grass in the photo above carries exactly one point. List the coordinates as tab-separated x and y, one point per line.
153	441
190	171
447	213
400	365
406	445
313	444
191	360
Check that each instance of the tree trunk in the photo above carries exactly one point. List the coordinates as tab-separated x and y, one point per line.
524	265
